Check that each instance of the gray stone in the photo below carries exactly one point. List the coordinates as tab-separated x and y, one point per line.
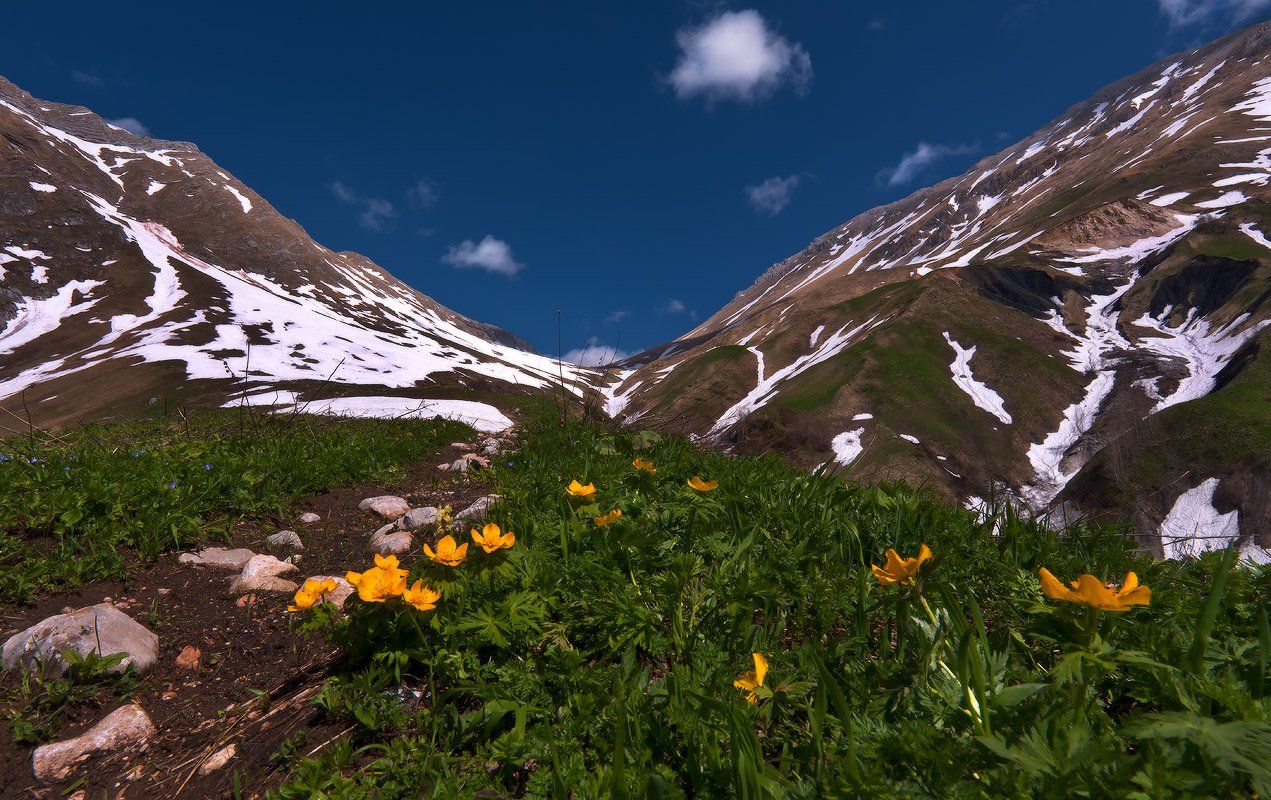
476	511
218	557
387	506
126	726
263	574
308	518
460	464
418	518
289	539
217	760
391	542
101	629
461	445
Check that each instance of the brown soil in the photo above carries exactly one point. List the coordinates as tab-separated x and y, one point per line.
256	677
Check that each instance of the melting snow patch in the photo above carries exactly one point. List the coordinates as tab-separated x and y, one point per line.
1255	234
154	187
1169	199
909	438
980	394
242	198
43	187
1193	525
1228	199
816	334
1205	351
847	446
482	416
862	416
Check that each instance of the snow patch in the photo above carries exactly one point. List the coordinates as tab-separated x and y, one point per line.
980	394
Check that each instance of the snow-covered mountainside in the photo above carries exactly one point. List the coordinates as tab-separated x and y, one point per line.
1079	322
134	270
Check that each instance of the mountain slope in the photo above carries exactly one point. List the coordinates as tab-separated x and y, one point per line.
1000	331
133	269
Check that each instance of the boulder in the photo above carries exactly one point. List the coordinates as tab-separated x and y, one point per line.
387	506
126	726
263	574
418	518
288	539
218	557
391	542
308	518
101	629
476	511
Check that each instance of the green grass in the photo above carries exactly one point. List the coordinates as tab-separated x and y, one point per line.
89	505
593	662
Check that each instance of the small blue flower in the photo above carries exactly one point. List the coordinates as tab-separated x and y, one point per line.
4	458
207	467
172	484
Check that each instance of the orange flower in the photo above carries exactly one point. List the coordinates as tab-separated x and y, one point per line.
1090	591
647	466
491	538
900	570
447	552
750	681
586	492
383	581
612	516
698	485
423	598
312	593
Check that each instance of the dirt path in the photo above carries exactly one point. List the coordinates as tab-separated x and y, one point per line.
254	680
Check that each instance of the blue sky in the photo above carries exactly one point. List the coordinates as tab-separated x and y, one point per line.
633	165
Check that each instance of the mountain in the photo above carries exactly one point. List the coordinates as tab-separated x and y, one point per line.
1077	324
134	269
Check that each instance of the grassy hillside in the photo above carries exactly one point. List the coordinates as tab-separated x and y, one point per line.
611	661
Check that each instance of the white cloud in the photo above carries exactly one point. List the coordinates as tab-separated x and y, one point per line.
675	307
86	77
595	354
913	164
130	124
618	316
876	24
490	254
424	193
1203	13
773	194
735	56
376	213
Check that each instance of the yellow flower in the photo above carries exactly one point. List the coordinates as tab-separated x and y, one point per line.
311	594
491	538
750	681
647	466
422	597
447	553
698	485
1090	591
379	583
445	515
612	516
577	489
900	570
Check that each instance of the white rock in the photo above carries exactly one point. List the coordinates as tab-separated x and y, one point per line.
417	518
308	518
262	574
101	629
386	506
219	557
217	760
126	726
394	542
478	509
289	539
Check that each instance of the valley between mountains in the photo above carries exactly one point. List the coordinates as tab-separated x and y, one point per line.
1076	327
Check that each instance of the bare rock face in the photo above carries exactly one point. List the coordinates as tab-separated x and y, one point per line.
418	518
476	511
289	540
386	506
263	574
391	542
101	629
126	726
218	557
308	518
